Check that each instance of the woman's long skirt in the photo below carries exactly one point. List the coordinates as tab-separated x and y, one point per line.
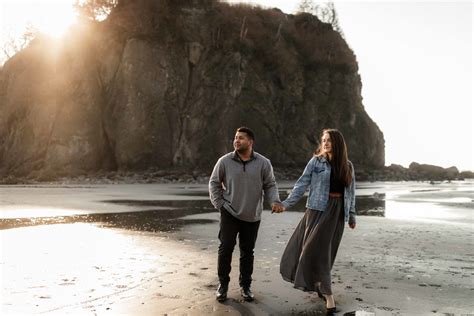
310	253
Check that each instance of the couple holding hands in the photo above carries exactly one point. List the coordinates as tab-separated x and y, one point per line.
235	187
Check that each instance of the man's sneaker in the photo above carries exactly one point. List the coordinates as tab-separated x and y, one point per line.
221	293
247	294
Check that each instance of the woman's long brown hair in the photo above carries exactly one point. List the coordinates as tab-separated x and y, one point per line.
339	160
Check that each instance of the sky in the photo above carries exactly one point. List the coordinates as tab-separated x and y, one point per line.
49	16
415	62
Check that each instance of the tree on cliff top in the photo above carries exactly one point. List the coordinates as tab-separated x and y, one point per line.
13	44
99	10
96	10
326	12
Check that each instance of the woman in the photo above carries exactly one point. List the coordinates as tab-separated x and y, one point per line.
309	256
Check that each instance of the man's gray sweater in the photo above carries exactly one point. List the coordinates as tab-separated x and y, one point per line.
238	186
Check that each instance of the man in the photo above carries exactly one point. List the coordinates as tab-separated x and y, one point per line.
235	188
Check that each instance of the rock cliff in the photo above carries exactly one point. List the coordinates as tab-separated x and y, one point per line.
164	84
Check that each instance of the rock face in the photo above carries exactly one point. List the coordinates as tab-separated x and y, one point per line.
160	85
415	172
431	172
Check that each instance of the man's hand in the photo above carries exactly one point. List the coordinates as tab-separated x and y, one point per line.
277	208
352	225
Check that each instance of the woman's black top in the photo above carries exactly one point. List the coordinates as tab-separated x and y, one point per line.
335	184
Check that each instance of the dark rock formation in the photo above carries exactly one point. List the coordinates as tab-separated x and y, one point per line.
164	84
430	172
415	172
466	175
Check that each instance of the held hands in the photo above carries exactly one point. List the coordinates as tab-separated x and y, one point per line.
277	207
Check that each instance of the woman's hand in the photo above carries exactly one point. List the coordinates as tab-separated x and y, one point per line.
277	208
352	225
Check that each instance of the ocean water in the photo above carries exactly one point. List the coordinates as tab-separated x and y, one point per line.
445	202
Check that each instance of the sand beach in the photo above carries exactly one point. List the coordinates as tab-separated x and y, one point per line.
151	250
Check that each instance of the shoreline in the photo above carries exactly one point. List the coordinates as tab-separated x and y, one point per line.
199	177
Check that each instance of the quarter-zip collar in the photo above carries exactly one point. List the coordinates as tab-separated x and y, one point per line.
236	157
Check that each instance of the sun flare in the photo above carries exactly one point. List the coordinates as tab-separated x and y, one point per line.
53	17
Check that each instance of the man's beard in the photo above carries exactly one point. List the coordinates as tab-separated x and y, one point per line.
242	150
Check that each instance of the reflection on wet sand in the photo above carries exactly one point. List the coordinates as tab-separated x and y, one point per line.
148	220
427	212
166	216
49	268
395	201
366	205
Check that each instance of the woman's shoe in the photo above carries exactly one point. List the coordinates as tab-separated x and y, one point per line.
331	310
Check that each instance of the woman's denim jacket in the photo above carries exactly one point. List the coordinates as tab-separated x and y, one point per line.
317	176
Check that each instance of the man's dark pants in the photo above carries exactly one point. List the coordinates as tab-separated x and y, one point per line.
230	227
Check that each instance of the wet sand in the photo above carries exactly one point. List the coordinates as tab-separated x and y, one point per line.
158	255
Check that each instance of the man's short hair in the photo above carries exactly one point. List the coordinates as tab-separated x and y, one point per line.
247	131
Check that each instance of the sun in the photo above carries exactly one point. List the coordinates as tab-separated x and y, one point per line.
50	17
56	20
